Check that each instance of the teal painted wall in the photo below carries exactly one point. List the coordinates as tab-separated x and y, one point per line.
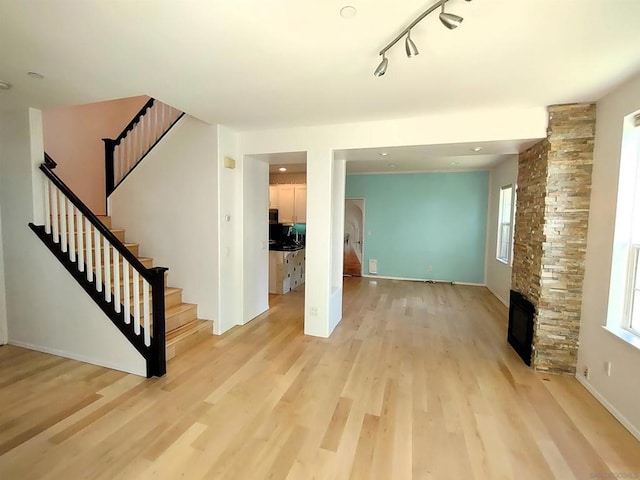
421	219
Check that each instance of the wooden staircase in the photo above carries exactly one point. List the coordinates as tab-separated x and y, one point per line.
184	328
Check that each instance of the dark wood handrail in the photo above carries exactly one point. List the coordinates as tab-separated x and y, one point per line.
49	162
113	240
133	122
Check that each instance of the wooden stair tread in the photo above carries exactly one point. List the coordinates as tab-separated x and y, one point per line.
167	291
142	259
126	244
189	328
176	309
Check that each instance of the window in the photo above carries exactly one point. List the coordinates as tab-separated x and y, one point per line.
505	225
624	290
632	311
632	293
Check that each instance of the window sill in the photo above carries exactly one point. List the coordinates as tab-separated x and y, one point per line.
625	335
505	262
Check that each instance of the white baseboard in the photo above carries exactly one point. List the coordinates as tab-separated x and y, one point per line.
73	356
423	280
605	403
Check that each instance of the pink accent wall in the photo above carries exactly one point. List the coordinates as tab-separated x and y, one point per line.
73	138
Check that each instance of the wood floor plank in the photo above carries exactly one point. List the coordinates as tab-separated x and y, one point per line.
417	381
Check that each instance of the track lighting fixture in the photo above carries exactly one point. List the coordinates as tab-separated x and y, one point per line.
382	67
410	47
449	20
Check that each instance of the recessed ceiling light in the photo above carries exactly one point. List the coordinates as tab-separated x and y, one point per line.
455	163
392	165
476	149
348	12
35	75
384	154
282	169
4	85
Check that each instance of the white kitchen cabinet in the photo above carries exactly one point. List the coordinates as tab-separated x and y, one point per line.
291	202
300	204
273	196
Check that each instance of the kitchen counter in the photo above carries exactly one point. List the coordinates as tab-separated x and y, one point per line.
286	269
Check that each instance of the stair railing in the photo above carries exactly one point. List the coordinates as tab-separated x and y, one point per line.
108	271
144	131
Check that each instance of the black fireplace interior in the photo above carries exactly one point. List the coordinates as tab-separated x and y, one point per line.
520	332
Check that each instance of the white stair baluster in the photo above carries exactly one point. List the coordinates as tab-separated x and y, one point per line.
47	207
72	231
136	301
155	121
126	294
149	131
116	280
134	158
81	249
87	231
63	220
107	269
55	218
116	164
147	313
143	135
98	259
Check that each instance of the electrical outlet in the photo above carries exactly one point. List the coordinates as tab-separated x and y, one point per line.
607	368
314	311
429	268
585	373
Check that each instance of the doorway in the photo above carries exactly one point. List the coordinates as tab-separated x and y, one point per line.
353	236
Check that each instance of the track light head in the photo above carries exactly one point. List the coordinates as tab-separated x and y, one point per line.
410	47
382	67
450	20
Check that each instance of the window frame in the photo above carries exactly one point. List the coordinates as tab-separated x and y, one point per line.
624	277
500	243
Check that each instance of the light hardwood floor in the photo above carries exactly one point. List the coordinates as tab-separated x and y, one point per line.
416	382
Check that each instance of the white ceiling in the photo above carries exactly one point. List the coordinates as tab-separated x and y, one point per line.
258	64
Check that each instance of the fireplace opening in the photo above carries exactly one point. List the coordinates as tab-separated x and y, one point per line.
520	331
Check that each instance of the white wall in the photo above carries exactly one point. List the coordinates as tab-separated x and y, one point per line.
620	391
498	274
46	309
255	238
321	299
3	303
169	205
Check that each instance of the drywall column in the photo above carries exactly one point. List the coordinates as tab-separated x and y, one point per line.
3	303
230	296
337	239
255	237
318	242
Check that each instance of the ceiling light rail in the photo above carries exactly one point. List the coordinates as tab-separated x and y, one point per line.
449	20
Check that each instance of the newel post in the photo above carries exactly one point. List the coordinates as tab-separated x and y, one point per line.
157	363
109	149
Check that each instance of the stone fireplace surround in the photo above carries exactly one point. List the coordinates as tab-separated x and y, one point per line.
550	238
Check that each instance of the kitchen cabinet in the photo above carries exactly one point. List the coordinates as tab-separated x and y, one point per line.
273	196
291	202
300	204
286	270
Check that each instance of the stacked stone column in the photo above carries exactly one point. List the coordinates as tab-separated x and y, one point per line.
552	212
